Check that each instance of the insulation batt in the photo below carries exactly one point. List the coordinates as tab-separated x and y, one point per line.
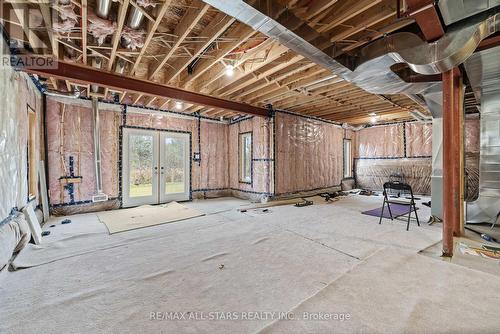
100	28
64	27
211	173
67	136
372	173
146	3
135	38
259	127
17	93
309	154
69	19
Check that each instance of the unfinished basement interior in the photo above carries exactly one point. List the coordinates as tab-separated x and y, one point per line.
249	166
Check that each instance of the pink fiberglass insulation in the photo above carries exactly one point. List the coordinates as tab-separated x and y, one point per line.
69	129
308	154
261	170
135	38
471	135
373	173
214	172
211	173
418	139
472	145
18	95
100	28
381	141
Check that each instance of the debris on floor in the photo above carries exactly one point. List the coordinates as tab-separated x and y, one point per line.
367	193
304	203
483	252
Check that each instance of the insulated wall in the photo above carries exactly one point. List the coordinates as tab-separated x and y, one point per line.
308	154
71	150
18	94
406	149
261	166
71	157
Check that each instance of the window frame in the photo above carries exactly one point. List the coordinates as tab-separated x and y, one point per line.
347	171
241	177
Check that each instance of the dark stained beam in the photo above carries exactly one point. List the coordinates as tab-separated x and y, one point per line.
89	75
426	15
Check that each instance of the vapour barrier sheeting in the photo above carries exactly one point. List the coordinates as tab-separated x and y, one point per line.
212	171
381	141
261	129
373	173
17	92
418	139
14	236
471	136
472	147
309	154
71	151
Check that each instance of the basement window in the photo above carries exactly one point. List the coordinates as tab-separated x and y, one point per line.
245	157
347	159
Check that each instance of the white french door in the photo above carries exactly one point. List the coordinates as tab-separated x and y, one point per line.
155	167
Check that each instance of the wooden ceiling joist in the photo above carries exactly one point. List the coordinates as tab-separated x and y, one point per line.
190	19
90	75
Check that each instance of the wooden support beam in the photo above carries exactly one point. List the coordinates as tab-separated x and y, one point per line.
122	14
151	33
190	19
346	10
90	75
427	17
217	26
84	19
240	34
453	157
374	15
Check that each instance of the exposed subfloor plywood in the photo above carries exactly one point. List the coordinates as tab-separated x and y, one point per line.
320	258
145	216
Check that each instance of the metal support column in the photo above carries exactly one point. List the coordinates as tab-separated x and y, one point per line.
453	156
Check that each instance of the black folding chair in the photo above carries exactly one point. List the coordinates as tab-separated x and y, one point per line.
402	187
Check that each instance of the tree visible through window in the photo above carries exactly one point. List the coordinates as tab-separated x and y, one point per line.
245	155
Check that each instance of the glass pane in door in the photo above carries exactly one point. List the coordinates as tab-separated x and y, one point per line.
174	169
141	165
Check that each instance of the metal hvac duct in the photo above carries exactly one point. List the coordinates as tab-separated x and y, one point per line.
97	63
134	21
103	8
75	94
96	126
135	17
483	70
374	73
456	10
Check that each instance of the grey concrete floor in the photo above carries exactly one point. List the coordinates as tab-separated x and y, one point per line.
324	268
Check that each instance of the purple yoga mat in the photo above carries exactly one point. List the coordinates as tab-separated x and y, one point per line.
396	209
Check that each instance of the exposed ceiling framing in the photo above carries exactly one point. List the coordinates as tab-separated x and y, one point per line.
188	44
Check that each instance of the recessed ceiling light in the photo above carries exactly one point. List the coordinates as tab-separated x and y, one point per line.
178	105
229	70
